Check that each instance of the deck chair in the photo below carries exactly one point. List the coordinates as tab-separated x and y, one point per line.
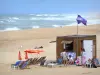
35	61
25	64
31	61
42	63
16	65
41	59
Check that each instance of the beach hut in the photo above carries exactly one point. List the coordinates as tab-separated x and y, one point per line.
76	43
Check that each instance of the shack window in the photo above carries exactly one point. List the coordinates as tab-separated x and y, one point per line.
68	47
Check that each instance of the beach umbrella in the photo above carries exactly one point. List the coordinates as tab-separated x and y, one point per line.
26	55
34	51
31	51
19	56
38	51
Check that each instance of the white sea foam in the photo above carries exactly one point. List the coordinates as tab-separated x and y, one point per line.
9	20
15	18
71	17
54	15
1	21
48	15
11	29
56	25
31	14
35	27
39	15
47	18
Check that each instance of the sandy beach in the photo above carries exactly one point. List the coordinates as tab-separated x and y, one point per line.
11	42
72	70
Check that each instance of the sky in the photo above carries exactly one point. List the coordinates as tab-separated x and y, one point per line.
48	6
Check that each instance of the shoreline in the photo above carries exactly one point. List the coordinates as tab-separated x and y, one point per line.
11	41
47	28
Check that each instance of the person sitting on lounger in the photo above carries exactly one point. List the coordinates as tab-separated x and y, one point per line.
70	60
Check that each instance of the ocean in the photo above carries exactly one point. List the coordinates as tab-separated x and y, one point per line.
31	21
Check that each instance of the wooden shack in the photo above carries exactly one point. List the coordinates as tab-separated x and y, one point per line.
77	43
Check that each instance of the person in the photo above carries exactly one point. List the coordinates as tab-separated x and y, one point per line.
89	63
64	57
71	60
77	61
94	63
59	60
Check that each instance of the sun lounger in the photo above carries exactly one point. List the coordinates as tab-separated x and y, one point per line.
38	60
35	61
42	62
25	64
42	58
16	65
50	63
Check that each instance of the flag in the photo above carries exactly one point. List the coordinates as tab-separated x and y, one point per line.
81	20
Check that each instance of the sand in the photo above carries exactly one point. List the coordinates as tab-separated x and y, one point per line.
11	42
37	70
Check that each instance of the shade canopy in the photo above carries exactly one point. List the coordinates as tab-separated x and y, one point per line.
34	51
66	42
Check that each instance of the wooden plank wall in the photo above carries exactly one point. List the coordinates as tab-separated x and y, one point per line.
59	46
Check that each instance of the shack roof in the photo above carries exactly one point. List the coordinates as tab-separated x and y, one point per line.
75	36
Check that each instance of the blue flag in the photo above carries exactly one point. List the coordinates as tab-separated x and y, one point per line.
81	20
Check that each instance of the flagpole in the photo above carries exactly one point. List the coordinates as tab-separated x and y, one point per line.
77	41
80	20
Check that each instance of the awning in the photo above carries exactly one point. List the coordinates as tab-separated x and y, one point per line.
66	42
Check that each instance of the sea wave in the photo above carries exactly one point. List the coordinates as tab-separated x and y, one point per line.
15	18
1	21
89	22
11	29
17	22
48	18
48	15
9	20
93	21
35	27
56	25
